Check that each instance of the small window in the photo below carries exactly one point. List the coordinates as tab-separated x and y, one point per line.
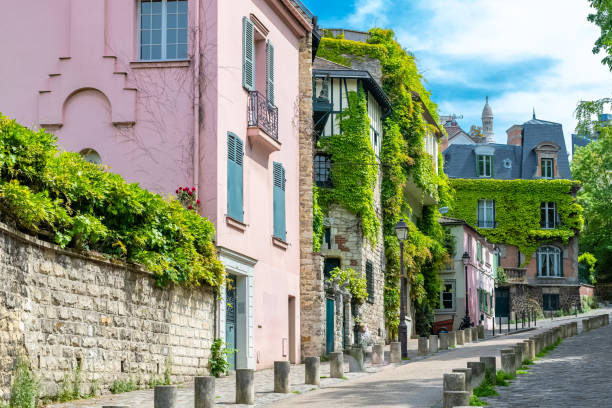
370	281
549	261
162	29
547	168
447	295
548	215
484	165
91	156
550	301
322	168
329	265
486	214
327	237
508	163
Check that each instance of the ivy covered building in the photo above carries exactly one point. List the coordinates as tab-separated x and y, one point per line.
520	196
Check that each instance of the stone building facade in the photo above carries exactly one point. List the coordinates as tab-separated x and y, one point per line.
64	310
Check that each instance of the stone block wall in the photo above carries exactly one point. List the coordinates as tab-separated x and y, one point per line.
64	310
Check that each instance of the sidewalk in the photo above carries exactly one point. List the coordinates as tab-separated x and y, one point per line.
413	383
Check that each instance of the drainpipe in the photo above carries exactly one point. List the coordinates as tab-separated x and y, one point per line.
196	101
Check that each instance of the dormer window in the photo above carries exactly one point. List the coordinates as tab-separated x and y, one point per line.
547	167
547	153
484	166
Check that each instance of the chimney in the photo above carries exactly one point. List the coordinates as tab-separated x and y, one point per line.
515	135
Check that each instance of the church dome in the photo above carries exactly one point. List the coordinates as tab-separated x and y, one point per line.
487	112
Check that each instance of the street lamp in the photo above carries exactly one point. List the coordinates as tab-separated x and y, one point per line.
401	231
466	319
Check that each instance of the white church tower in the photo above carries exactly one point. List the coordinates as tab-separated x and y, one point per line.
487	122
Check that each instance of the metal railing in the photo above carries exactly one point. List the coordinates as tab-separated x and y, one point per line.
262	114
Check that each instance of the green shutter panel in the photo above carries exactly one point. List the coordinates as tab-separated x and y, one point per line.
234	177
248	54
280	230
270	73
492	166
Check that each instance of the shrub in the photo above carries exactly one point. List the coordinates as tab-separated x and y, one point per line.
218	362
24	392
64	199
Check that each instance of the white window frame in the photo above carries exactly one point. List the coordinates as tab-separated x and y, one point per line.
547	206
486	205
486	166
550	167
453	283
164	34
544	254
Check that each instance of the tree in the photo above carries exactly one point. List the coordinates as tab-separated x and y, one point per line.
592	165
476	131
603	19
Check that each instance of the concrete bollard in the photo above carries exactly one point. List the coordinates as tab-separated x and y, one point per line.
245	386
312	370
478	372
481	332
433	343
336	364
490	367
460	337
467	335
281	377
550	338
164	396
453	382
378	354
204	392
518	351
396	352
452	339
585	325
468	377
531	346
443	338
525	350
474	334
508	361
355	359
453	399
423	346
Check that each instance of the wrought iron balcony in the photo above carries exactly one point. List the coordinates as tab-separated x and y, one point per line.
262	114
516	275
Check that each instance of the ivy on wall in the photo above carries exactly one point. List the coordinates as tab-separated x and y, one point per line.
517	210
318	228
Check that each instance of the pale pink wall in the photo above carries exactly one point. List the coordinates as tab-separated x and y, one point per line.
480	275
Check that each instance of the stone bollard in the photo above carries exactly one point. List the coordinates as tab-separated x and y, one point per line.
531	346
467	335
312	370
474	334
281	377
508	361
433	343
378	354
490	367
550	338
468	377
452	339
336	364
355	359
453	382
575	328
455	398
478	372
518	351
585	325
481	332
443	337
164	396
525	350
204	392
245	386
460	337
423	346
396	352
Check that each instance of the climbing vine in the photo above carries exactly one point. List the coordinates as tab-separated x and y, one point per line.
517	210
317	221
356	283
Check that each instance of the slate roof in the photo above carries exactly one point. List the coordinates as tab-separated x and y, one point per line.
460	160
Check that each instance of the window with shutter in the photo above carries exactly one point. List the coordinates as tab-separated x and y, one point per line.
234	177
270	73
370	281
248	54
279	202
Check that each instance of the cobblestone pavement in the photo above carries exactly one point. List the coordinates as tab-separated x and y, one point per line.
575	374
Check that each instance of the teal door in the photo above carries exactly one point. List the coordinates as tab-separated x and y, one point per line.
230	319
330	314
502	302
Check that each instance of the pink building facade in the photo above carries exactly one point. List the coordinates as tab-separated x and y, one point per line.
480	279
169	93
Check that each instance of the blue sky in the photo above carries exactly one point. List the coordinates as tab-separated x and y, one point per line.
523	54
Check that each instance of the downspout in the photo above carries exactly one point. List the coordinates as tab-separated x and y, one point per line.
196	101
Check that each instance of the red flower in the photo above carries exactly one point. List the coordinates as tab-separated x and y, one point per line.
198	202
180	188
190	207
190	193
192	188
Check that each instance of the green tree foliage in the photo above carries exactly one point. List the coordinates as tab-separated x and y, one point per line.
603	19
62	198
592	165
476	131
318	229
356	283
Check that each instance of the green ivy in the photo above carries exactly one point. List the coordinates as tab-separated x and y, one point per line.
517	210
356	283
354	169
318	228
64	199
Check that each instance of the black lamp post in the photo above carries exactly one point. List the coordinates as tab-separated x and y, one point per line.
466	319
401	231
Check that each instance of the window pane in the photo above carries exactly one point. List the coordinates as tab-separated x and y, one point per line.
488	166
156	37
182	36
171	52
145	22
172	20
182	21
156	6
172	6
156	52
182	6
145	52
182	51
145	37
171	37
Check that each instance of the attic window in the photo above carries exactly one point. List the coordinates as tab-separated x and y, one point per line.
508	163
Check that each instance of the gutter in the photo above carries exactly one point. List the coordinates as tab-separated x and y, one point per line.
196	102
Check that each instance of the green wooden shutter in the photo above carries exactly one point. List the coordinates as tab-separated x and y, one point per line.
248	54
280	230
234	177
492	166
270	73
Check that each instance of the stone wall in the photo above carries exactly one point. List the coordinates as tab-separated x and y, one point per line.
64	310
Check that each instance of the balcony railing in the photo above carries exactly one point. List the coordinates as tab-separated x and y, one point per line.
262	114
516	275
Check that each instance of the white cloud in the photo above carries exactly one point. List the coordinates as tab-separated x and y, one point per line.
369	13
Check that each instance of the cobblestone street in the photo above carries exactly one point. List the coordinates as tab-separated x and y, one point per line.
575	374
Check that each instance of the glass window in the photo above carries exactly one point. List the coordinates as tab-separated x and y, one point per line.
484	165
91	156
550	301
548	215
370	281
486	214
322	168
547	168
163	29
447	295
549	261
